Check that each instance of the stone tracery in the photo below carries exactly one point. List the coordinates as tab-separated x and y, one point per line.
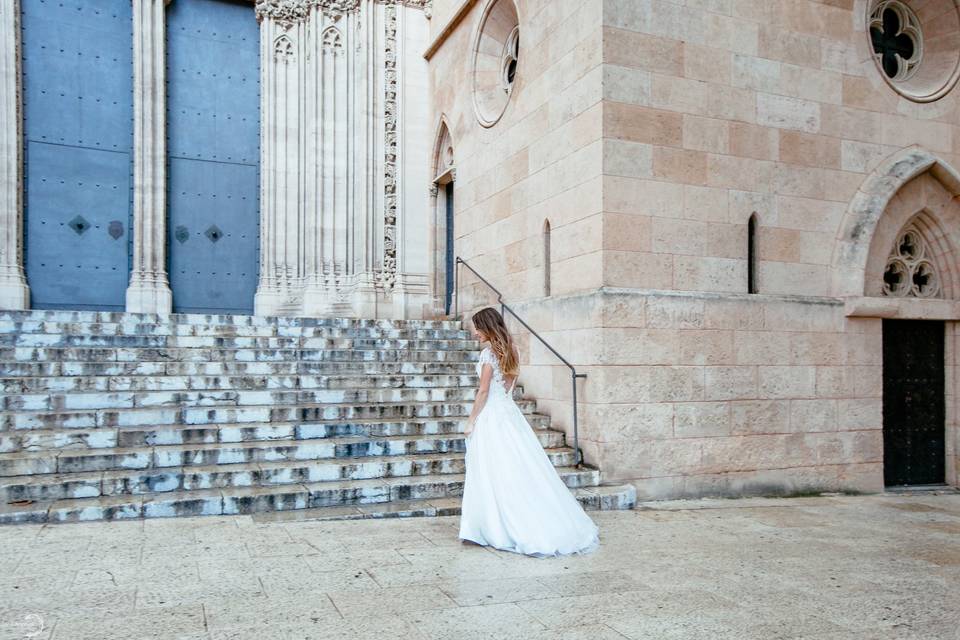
289	12
896	38
910	271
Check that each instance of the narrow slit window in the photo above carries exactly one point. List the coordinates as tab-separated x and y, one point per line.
752	254
546	258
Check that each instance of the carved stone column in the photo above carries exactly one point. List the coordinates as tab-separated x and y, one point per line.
14	293
283	31
330	149
149	290
308	49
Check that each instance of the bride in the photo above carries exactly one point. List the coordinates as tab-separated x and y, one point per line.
513	498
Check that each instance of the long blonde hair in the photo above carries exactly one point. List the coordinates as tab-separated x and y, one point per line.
490	323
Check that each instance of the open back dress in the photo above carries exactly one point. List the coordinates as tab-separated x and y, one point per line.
513	498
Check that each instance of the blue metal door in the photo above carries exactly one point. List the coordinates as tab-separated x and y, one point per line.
78	140
213	145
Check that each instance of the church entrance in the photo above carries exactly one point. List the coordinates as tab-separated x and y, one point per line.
450	258
213	146
78	143
913	403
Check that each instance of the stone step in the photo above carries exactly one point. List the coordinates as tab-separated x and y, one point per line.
161	435
600	498
108	415
61	341
114	482
73	384
216	354
133	368
21	463
238	322
112	400
88	419
386	492
28	328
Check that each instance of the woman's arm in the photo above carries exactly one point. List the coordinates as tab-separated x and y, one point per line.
486	374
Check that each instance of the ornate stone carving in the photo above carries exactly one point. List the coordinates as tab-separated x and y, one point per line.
318	256
388	275
283	50
289	12
336	8
426	5
332	40
285	12
910	271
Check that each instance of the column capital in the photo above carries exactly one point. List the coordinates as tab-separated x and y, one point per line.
290	12
285	12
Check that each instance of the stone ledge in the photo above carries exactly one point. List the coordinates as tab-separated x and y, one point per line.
901	308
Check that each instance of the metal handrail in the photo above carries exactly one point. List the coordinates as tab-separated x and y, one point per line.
504	309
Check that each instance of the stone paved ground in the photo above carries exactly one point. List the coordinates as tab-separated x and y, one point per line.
825	568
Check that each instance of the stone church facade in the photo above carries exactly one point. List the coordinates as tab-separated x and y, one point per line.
719	210
263	157
738	218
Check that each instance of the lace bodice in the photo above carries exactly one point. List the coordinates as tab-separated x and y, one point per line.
487	357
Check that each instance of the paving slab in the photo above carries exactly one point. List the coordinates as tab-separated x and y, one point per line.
878	567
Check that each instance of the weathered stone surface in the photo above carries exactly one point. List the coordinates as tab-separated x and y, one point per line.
206	438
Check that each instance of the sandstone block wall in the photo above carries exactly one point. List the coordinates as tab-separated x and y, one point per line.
710	113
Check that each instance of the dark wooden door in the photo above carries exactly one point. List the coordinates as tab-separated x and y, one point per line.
450	266
913	403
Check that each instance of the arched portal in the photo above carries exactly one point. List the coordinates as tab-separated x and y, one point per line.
904	186
213	154
443	253
897	253
78	150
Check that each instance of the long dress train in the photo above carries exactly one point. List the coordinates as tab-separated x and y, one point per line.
513	498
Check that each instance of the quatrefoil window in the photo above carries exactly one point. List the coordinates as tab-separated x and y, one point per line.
910	271
510	59
896	39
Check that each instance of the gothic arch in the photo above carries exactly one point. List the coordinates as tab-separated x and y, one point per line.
911	187
441	239
332	39
443	159
283	49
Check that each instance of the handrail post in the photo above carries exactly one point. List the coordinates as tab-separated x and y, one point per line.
577	457
504	309
456	289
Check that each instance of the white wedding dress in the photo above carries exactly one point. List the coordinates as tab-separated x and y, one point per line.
513	498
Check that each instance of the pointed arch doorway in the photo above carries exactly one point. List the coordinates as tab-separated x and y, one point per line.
444	238
897	261
914	433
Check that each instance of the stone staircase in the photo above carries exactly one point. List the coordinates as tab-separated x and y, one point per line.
115	415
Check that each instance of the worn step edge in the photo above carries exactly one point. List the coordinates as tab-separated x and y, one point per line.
184	382
239	501
602	498
138	459
214	319
131	416
144	482
41	441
